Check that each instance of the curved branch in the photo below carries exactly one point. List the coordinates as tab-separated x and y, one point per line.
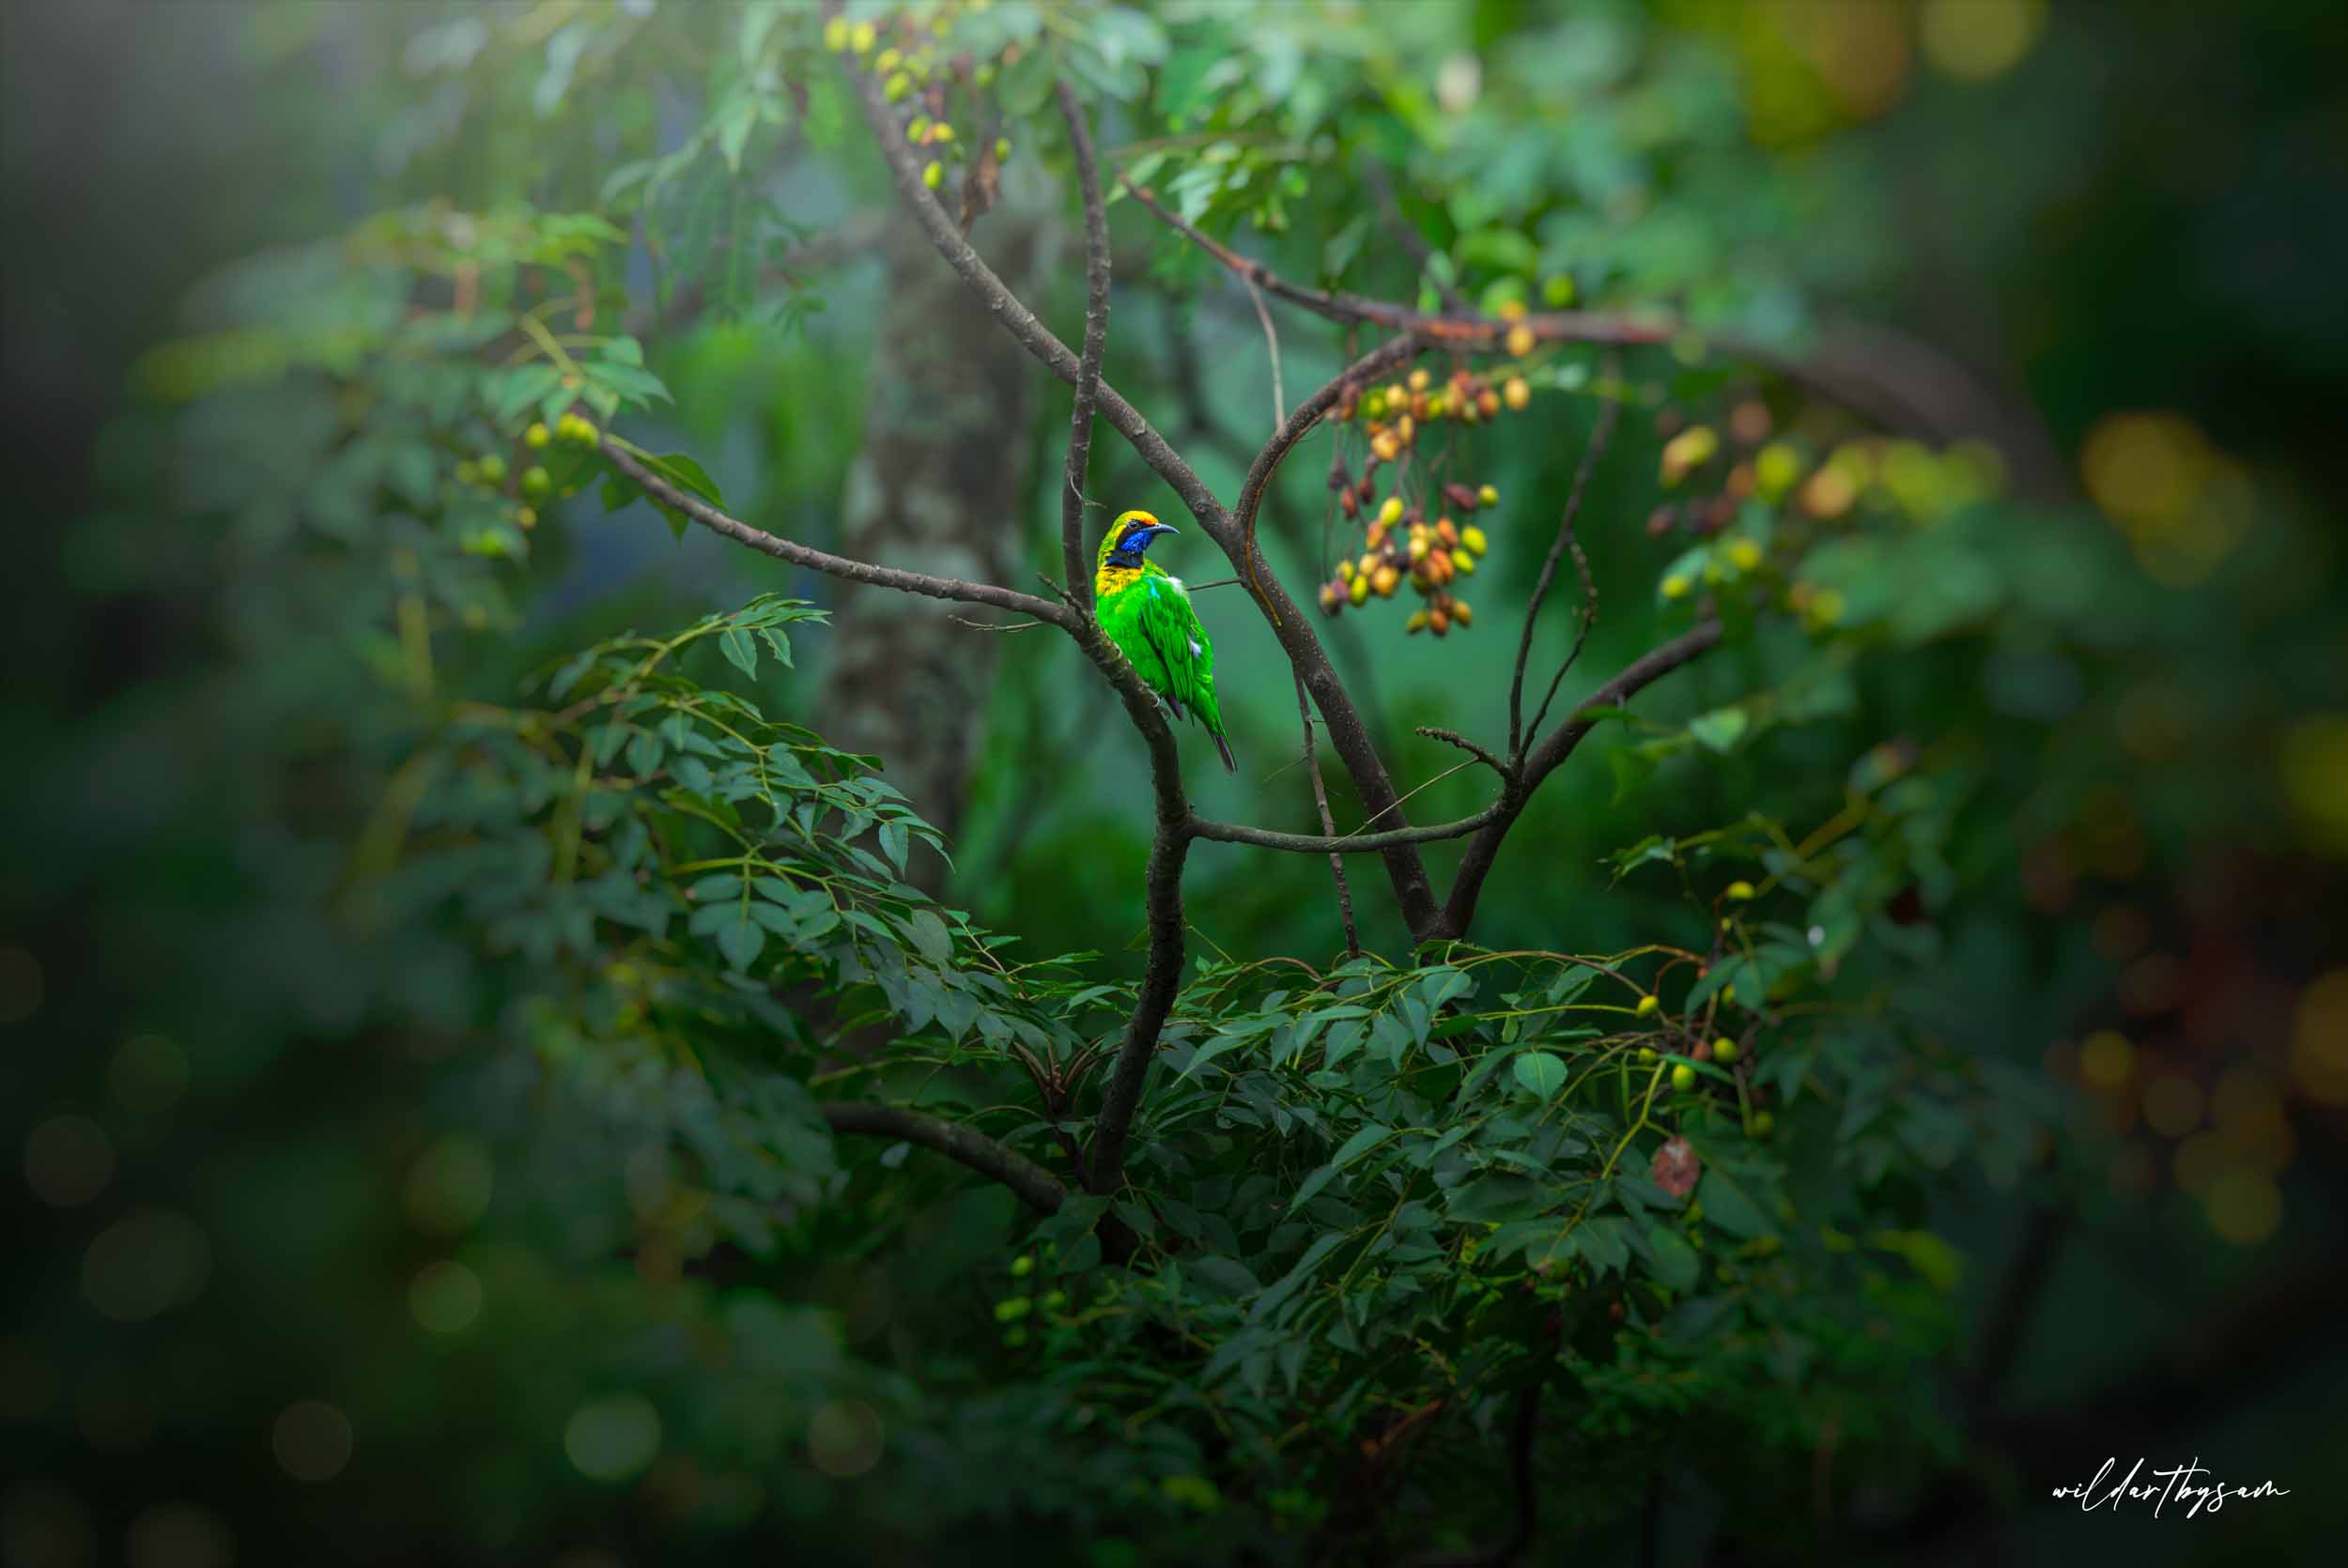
1342	843
1035	1186
814	560
1072	499
1459	331
1386	356
1476	863
1104	1157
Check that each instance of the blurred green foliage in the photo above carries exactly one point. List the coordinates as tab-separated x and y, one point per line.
449	933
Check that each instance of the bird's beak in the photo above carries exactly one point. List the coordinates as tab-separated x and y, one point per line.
1156	529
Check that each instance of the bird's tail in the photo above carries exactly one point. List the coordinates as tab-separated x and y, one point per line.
1223	746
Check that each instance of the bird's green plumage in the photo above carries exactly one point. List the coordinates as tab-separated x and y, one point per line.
1147	612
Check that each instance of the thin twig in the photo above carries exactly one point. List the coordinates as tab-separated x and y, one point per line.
1072	516
1354	842
1543	758
1455	331
1452	737
1272	347
993	626
1328	824
623	457
1377	362
1600	434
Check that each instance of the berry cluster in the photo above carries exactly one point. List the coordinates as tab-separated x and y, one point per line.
532	481
1417	533
910	56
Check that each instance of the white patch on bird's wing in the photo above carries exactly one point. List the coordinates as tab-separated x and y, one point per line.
1195	649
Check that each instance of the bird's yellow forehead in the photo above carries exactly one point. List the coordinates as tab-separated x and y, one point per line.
1132	520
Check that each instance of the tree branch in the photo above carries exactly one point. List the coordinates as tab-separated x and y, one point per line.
1034	1185
1600	434
1161	977
1452	737
1341	843
1455	331
1328	824
814	560
1072	501
1476	863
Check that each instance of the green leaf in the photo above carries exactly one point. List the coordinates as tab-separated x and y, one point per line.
1675	1263
1721	728
1369	1137
1603	1243
1288	1283
1501	1196
741	940
1726	1205
739	649
1539	1073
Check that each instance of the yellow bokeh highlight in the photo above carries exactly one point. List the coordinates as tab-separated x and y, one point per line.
2319	1039
2146	468
2105	1059
2243	1208
2183	504
2314	767
1976	41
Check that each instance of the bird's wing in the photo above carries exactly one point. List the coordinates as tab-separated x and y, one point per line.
1163	610
1174	632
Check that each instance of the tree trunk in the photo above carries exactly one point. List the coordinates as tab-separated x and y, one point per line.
940	486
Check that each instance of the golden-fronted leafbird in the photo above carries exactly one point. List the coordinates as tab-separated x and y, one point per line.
1146	611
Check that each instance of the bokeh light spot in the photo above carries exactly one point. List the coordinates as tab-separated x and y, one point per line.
2319	1039
2243	1208
2145	469
611	1439
2314	763
2105	1059
445	1297
145	1262
312	1439
844	1438
1976	41
68	1160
